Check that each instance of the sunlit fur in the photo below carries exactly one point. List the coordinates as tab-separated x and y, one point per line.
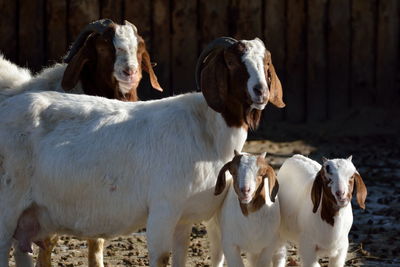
86	163
257	232
314	236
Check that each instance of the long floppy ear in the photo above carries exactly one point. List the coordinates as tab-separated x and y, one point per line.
259	198
221	180
147	66
214	81
316	191
361	190
272	183
275	90
74	68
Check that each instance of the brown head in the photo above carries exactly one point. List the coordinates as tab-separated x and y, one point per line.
237	79
333	187
108	59
249	173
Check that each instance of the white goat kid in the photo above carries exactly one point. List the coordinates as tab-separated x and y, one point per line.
72	159
249	219
316	210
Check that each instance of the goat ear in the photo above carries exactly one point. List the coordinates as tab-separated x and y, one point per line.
272	183
221	179
316	191
214	79
275	90
147	66
74	68
361	190
259	198
236	152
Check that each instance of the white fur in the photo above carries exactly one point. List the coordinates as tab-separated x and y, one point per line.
300	225
126	46
253	59
11	75
102	168
48	79
257	234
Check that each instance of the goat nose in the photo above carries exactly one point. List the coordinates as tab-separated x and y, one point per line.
339	193
258	89
129	71
245	190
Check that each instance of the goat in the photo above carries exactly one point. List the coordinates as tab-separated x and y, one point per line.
316	210
106	60
248	220
94	167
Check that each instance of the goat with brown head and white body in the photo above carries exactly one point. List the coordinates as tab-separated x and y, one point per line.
315	206
86	143
106	60
249	217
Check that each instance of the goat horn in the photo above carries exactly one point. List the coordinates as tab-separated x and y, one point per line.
219	43
95	26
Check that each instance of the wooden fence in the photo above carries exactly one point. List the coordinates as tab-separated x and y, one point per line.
331	55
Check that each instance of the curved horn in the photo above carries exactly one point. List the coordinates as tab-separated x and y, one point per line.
95	26
221	42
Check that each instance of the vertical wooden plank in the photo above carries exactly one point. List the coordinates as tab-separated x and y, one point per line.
387	53
161	38
316	61
184	45
8	29
363	52
339	39
248	22
296	61
275	41
111	9
56	29
214	20
31	33
81	12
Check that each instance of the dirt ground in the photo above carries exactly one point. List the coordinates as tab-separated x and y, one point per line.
375	235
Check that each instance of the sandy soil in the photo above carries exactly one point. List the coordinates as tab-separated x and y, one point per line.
375	236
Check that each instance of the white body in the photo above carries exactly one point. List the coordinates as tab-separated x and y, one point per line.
256	234
300	225
99	167
12	75
48	79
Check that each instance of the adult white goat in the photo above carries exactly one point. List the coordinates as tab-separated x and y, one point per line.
315	205
105	60
94	167
249	218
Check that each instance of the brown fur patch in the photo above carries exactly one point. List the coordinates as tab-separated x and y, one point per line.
320	190
361	190
274	84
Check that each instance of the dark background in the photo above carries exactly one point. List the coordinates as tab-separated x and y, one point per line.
334	57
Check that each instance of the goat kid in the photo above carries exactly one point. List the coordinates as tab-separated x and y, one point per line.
249	217
316	210
73	159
